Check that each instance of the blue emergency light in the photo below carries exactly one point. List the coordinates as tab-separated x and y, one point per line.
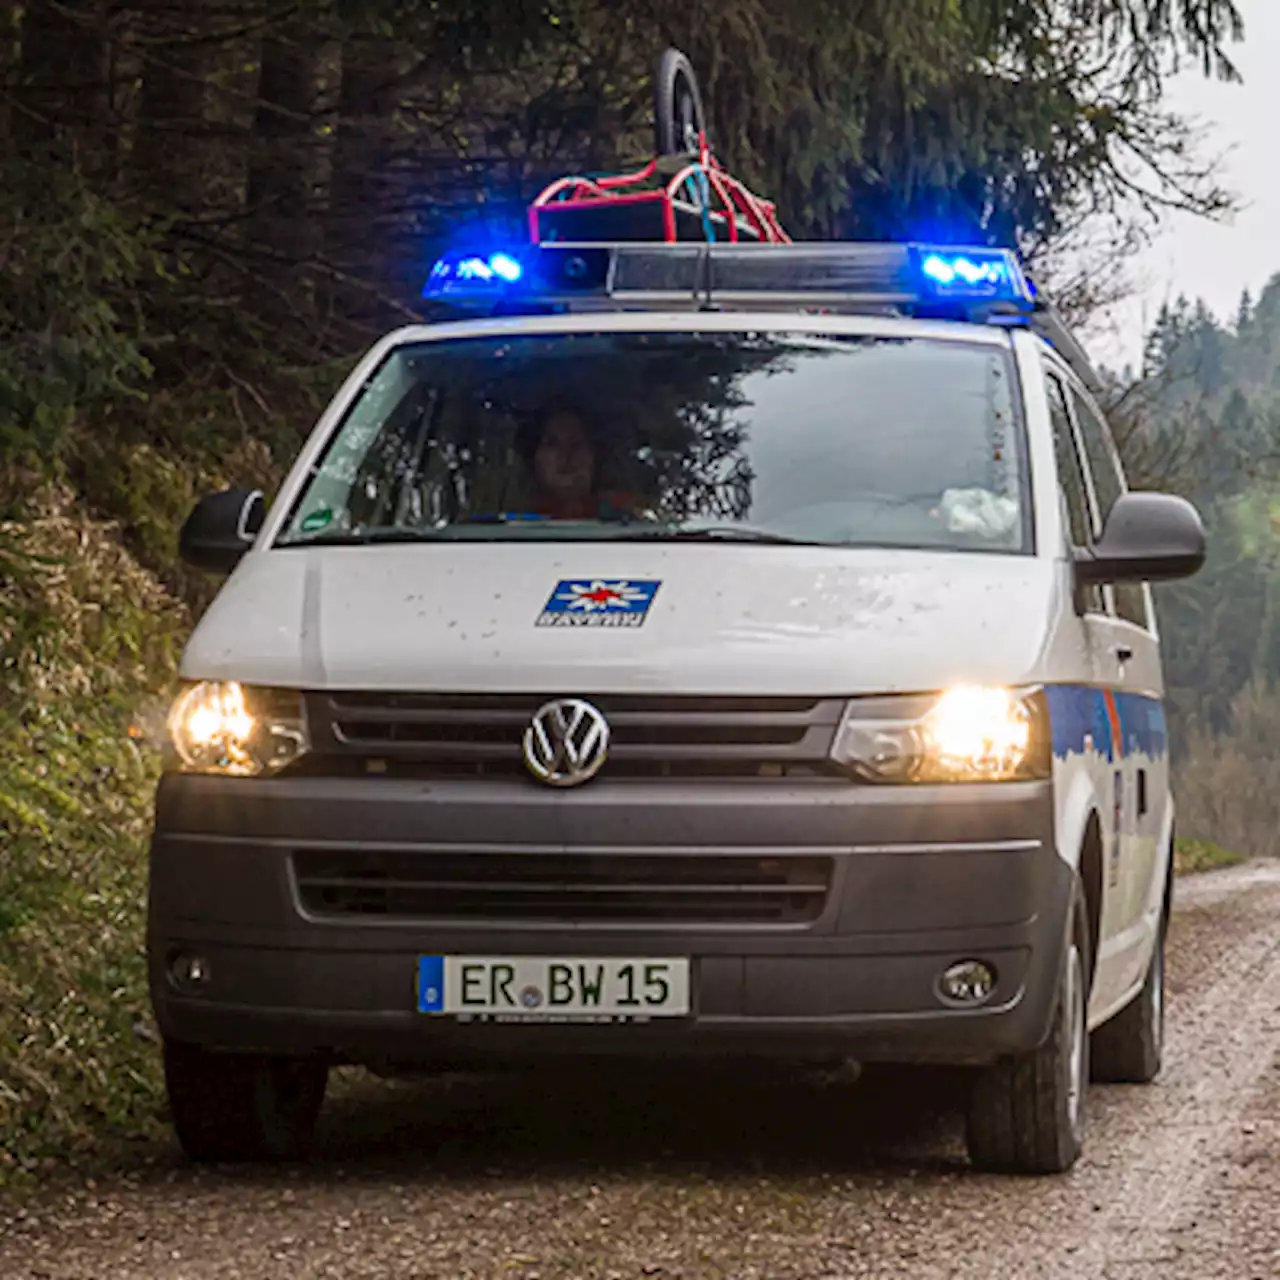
962	271
466	273
968	275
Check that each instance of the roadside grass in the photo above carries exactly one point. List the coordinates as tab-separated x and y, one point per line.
77	1060
86	639
1193	856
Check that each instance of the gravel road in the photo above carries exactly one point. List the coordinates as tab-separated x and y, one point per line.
609	1176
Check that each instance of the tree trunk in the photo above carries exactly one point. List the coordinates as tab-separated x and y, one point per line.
168	155
361	185
62	92
283	162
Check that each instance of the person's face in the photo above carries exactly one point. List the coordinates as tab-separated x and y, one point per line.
564	459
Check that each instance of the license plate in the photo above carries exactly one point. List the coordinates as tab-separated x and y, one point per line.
546	988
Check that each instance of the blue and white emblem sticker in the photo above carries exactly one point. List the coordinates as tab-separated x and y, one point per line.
599	602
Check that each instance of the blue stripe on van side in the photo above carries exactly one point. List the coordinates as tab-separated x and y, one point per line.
1085	717
1142	724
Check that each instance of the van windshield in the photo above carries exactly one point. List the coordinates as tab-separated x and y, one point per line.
762	437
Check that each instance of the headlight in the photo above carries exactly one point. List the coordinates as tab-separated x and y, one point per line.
224	727
963	735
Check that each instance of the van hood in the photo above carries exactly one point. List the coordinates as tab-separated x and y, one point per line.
723	619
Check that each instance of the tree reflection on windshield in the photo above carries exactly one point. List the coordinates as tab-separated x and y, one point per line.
802	438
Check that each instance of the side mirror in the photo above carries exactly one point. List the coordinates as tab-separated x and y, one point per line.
1148	537
221	529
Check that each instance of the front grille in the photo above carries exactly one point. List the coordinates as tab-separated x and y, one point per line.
568	888
479	735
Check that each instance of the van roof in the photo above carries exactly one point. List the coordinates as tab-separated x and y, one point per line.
966	286
653	319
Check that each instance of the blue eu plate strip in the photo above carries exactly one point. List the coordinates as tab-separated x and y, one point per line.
431	984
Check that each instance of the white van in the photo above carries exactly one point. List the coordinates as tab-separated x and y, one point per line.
722	650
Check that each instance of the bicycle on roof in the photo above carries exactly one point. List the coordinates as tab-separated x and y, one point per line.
683	194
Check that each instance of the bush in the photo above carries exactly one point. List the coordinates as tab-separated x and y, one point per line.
1192	856
87	640
1227	783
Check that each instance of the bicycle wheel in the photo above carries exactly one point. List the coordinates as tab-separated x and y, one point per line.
677	106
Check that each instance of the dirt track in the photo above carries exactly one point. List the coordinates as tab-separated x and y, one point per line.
610	1177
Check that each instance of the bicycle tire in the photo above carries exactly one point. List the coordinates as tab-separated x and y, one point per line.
678	117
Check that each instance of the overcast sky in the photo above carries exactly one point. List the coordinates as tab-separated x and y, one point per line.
1204	259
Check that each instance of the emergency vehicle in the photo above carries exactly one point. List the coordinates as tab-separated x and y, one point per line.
696	643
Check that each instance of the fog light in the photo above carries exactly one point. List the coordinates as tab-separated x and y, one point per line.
967	982
188	972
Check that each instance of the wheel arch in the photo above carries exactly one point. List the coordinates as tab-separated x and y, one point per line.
1090	872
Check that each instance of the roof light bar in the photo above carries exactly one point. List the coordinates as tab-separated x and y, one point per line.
852	276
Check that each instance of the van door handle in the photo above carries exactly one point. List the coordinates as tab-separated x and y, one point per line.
1124	653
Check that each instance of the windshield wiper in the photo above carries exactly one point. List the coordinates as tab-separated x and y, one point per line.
610	530
714	533
363	538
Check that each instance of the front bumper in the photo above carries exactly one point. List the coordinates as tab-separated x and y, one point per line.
920	878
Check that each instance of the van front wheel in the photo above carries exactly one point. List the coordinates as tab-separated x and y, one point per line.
1026	1112
232	1108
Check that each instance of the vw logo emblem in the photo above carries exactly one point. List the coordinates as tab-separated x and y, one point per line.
567	743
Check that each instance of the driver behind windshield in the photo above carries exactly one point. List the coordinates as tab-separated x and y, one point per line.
564	462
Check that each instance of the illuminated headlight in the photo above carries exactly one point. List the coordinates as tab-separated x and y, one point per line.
224	727
966	734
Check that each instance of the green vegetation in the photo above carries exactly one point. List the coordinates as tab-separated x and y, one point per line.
210	209
1205	421
1192	856
91	642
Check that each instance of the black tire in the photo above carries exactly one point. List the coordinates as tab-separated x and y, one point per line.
1129	1047
677	106
1026	1113
234	1108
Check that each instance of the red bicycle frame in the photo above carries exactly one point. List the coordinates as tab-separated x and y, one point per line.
735	200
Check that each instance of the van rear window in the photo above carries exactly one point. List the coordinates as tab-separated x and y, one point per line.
842	441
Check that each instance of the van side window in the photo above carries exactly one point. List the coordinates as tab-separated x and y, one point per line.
1071	479
1108	485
